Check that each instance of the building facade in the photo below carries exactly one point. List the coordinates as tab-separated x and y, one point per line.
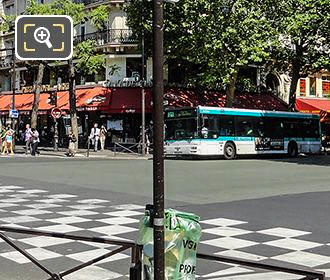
123	61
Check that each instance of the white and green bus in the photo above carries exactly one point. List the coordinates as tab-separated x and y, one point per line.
228	132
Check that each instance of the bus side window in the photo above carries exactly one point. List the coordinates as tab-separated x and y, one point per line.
226	126
259	127
244	127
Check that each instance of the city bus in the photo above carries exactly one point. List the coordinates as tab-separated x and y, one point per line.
229	132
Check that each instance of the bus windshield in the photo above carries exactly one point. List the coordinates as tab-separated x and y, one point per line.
180	129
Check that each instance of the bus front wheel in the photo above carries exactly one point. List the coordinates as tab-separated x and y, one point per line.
292	149
229	151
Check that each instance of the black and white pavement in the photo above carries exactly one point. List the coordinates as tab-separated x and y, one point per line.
67	212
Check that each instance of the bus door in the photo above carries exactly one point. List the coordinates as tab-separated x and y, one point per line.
244	136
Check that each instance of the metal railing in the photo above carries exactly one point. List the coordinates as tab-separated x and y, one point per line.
127	149
109	36
135	270
308	273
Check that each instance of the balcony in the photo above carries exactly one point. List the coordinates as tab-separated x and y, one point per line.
109	37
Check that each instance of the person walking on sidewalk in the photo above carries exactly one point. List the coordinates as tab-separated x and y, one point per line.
35	142
103	136
2	139
28	139
8	142
72	146
95	136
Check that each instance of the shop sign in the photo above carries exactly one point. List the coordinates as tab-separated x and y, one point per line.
96	99
45	88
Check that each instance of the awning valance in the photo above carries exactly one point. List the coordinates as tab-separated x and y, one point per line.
315	106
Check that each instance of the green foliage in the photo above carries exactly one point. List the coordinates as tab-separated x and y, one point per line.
303	28
88	61
218	37
7	23
99	16
34	8
114	69
58	7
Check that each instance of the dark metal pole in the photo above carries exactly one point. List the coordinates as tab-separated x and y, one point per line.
13	85
158	155
56	136
143	94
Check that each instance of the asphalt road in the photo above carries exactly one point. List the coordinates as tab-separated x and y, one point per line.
285	196
187	181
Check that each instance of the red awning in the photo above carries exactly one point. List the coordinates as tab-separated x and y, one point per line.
315	106
191	98
129	100
88	99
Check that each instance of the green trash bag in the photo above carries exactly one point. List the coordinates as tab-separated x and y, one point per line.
182	236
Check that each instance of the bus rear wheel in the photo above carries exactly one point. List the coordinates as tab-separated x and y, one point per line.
292	149
229	151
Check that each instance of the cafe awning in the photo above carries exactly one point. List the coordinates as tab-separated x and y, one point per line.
129	100
315	106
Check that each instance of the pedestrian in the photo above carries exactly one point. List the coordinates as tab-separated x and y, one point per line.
2	139
103	136
28	139
72	146
8	142
95	136
35	142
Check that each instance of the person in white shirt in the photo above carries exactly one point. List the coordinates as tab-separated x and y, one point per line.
35	141
28	139
103	136
95	136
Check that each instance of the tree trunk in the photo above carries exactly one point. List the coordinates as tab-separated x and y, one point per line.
72	98
230	91
35	106
295	76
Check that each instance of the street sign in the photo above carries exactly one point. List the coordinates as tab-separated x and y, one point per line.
13	114
56	113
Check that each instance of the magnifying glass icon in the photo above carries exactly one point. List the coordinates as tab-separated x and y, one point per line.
42	35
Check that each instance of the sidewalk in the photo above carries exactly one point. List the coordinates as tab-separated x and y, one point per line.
82	153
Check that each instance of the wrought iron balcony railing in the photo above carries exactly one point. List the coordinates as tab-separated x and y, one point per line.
110	36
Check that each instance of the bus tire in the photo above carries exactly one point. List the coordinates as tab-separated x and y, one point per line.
229	151
293	149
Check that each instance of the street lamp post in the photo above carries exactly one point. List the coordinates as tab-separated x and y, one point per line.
158	154
13	85
143	93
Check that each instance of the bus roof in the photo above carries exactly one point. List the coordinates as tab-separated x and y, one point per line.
254	113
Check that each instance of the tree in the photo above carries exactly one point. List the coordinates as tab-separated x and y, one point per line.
216	37
37	9
83	50
303	39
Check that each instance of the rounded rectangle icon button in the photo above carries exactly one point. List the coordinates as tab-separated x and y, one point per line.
43	37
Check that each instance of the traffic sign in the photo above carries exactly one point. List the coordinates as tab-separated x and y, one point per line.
56	113
13	114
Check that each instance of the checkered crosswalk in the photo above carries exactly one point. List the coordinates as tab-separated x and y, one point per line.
72	213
